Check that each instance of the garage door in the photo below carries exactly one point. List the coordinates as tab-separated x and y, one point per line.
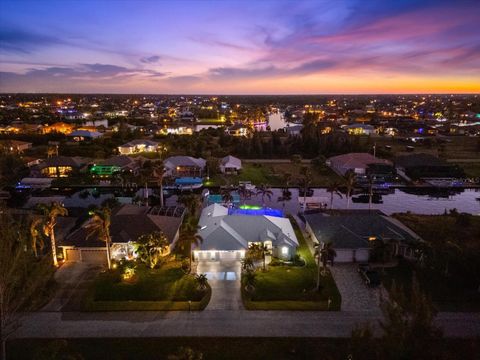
220	255
362	255
72	254
344	255
229	255
350	255
94	256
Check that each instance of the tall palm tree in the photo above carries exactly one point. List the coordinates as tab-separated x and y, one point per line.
265	192
250	278
190	239
158	173
323	254
51	212
244	193
334	189
36	236
99	225
191	203
350	182
305	183
370	191
145	173
227	196
259	251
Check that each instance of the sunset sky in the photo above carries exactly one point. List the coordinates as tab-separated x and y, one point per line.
240	47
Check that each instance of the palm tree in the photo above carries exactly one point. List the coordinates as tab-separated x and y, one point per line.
36	236
227	196
99	225
264	192
51	212
250	278
323	254
191	203
248	264
202	281
350	182
190	238
145	174
244	193
370	191
260	251
334	189
158	173
305	183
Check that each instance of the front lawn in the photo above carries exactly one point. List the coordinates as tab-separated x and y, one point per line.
286	287
167	288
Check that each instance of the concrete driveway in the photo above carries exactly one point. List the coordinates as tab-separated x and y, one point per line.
224	279
73	280
356	296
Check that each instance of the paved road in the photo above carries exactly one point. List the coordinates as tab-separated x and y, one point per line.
224	278
217	323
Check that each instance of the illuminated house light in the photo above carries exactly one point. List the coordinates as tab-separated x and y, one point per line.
284	250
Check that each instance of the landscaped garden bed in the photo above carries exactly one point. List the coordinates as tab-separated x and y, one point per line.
166	288
292	286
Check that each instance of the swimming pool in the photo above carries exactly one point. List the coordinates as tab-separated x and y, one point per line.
255	210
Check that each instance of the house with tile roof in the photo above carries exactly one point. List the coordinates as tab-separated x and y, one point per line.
227	237
128	223
352	233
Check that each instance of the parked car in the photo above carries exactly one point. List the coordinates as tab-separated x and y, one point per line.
370	277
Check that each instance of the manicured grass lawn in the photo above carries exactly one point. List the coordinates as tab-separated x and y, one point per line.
293	287
167	288
211	348
272	174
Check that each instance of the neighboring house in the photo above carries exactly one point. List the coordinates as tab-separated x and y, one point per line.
59	127
115	164
238	130
181	166
230	165
128	223
352	234
14	146
357	162
360	129
294	130
227	237
82	135
421	165
58	166
138	146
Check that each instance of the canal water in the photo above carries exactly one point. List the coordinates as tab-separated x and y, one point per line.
399	201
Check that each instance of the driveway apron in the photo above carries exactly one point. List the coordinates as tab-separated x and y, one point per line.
224	279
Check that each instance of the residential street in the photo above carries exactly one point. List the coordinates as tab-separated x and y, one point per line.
218	323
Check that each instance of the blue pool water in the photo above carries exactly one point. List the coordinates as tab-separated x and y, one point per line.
261	212
188	181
